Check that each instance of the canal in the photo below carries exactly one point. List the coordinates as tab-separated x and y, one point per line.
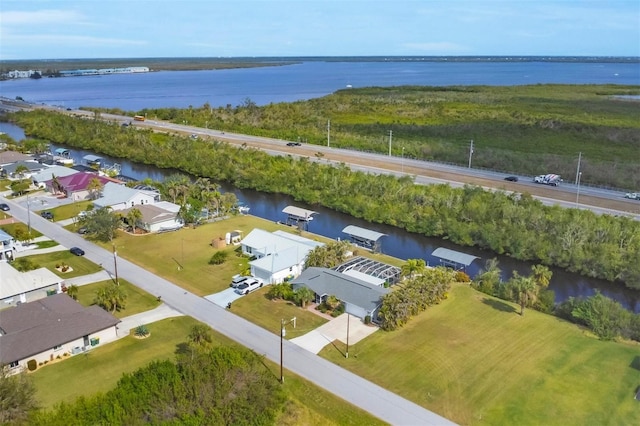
397	242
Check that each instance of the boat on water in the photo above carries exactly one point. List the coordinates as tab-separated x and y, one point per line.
62	156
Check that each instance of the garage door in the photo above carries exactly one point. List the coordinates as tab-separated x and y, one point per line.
355	310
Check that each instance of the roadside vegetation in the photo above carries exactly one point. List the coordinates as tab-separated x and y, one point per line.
475	360
515	224
95	376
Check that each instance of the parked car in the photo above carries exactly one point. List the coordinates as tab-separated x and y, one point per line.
82	230
248	286
237	280
77	251
632	195
47	215
294	144
511	178
4	207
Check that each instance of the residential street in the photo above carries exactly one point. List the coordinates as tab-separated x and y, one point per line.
352	388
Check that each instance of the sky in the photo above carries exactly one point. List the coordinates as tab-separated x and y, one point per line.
64	29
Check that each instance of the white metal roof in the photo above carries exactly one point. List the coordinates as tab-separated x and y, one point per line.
454	256
298	212
367	234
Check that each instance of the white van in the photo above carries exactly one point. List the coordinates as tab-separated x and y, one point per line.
237	280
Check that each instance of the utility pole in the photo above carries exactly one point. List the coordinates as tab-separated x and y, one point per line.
328	133
402	161
346	355
470	152
28	217
578	192
578	169
282	334
390	136
115	263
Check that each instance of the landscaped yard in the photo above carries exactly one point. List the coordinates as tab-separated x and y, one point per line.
68	211
266	313
100	370
182	256
79	265
474	360
137	300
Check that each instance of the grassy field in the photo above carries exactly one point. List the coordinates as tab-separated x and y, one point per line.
137	300
100	370
68	211
474	360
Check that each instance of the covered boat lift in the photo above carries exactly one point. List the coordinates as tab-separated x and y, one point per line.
93	161
298	216
454	259
365	238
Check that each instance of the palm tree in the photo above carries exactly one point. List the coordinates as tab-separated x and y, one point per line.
413	267
523	291
304	295
95	188
133	217
111	297
541	275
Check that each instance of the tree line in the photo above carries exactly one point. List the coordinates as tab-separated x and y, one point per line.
513	224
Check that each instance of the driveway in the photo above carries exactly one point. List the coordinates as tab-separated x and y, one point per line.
224	297
336	329
161	312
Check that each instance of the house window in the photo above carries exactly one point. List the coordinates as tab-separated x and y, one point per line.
14	364
57	347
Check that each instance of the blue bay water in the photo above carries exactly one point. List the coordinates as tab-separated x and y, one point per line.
306	80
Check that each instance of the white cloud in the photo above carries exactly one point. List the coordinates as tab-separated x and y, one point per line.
41	17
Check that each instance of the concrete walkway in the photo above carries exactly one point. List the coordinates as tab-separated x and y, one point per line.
88	279
161	312
336	329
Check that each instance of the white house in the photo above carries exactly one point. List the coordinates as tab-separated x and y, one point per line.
156	217
7	247
280	256
51	327
23	287
120	197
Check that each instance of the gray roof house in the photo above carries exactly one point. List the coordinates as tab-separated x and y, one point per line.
51	327
22	287
360	297
120	197
156	219
280	255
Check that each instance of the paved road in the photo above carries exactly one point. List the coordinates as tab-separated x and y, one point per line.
352	388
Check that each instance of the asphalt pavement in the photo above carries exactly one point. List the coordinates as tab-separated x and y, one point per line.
362	393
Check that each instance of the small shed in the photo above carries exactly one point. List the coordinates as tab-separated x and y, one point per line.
365	238
454	259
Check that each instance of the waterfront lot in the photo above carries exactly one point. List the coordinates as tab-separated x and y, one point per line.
100	370
474	360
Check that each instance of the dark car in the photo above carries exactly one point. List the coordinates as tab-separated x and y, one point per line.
4	207
77	251
47	215
511	178
294	144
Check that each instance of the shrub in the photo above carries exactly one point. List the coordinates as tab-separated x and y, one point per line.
141	331
218	258
367	319
24	264
462	277
32	365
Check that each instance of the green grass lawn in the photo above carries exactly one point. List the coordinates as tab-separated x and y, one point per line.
12	229
100	370
182	256
474	360
68	211
80	266
266	313
137	300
